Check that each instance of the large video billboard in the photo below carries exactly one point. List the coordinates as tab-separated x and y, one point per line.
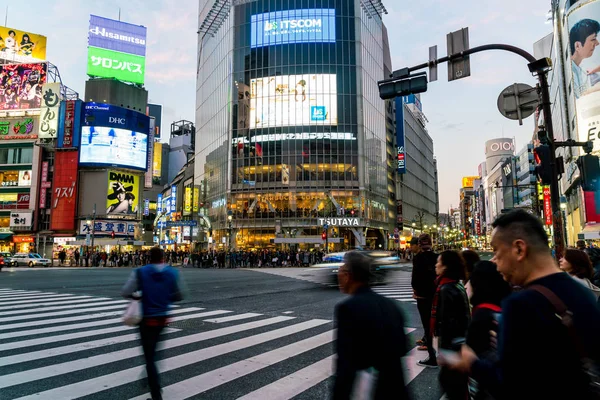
113	64
123	195
64	191
20	46
115	35
583	23
21	85
291	100
293	26
114	136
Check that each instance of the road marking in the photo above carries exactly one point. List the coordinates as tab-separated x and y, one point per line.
31	310
10	299
72	348
413	300
409	330
42	300
56	303
209	380
232	318
60	320
294	384
404	296
4	295
57	313
287	312
91	324
410	366
397	292
119	378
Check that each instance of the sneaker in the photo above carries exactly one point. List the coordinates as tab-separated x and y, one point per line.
422	348
421	342
427	363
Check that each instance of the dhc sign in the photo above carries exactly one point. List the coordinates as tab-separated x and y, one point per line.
293	26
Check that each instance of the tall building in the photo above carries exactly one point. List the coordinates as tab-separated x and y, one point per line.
291	132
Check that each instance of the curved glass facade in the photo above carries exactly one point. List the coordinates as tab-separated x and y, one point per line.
290	125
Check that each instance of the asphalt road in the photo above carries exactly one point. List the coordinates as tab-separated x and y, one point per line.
252	334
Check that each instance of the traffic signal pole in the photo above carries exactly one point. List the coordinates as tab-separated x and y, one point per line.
540	69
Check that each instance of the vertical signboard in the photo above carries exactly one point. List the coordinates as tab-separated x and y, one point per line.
157	160
146	207
155	110
547	206
49	114
173	207
45	185
150	159
159	203
196	199
400	149
187	201
64	195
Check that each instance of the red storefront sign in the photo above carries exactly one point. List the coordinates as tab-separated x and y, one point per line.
23	200
64	195
69	121
592	214
23	239
547	206
45	184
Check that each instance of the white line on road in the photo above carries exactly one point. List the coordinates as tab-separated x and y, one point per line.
84	325
4	295
294	384
413	300
232	318
59	320
32	310
57	313
62	301
404	296
101	383
11	299
209	380
41	300
411	368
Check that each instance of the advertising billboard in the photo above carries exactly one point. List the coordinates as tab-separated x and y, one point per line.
187	201
21	85
69	124
149	155
467	181
125	67
21	220
123	193
400	149
12	128
21	46
10	201
583	26
157	160
116	35
155	110
312	25
64	193
291	100
50	113
107	227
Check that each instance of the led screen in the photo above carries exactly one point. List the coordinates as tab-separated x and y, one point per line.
102	145
293	26
292	100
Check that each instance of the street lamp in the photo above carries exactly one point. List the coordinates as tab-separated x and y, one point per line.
229	228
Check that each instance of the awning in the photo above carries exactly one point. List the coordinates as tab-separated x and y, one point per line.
590	232
4	236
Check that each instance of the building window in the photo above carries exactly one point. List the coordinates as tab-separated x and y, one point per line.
16	156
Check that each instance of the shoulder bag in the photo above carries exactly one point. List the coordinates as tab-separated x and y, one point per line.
133	313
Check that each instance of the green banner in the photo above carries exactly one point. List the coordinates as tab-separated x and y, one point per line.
113	64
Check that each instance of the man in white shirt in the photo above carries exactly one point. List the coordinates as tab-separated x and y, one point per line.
583	40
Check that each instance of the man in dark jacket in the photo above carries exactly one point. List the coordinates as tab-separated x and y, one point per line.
423	284
160	287
370	335
537	355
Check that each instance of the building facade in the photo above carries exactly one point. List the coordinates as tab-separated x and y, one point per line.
291	132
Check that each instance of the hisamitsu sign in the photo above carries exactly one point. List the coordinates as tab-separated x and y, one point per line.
117	35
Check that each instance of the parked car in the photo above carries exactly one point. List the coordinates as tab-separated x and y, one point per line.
30	260
6	260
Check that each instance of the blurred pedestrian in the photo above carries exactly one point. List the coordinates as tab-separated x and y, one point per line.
579	266
160	286
370	337
471	258
423	284
450	318
540	350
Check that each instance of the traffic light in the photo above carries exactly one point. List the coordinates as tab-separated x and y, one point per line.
402	86
112	234
589	172
352	213
324	235
542	159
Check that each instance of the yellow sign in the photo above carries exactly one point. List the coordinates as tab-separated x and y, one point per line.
196	199
467	181
187	201
123	193
21	46
157	160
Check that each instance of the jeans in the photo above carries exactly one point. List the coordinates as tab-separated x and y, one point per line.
424	307
149	336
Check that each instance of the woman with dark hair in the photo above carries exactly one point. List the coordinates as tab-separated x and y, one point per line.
471	258
489	289
579	266
450	317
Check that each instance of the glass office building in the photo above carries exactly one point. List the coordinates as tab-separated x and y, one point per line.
291	132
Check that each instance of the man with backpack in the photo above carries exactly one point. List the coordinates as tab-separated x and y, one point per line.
549	329
160	286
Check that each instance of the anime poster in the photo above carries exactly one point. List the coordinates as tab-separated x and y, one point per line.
21	86
123	193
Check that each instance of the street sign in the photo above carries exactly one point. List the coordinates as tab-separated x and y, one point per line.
433	71
518	101
458	42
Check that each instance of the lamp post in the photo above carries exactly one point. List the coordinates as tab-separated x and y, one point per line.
229	228
93	224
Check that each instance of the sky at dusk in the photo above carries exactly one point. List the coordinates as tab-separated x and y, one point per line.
462	114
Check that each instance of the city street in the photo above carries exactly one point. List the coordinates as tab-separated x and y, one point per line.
251	334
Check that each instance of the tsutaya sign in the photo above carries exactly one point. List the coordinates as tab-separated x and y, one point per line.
339	221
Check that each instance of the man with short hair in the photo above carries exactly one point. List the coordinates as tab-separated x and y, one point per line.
537	354
160	286
370	335
423	284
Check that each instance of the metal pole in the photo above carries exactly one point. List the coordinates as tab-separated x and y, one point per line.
557	220
93	226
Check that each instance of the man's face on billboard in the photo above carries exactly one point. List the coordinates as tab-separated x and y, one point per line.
587	49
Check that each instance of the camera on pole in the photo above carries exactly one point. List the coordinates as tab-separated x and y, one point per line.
402	84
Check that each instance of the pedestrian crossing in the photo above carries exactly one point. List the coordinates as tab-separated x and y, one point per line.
66	351
398	288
